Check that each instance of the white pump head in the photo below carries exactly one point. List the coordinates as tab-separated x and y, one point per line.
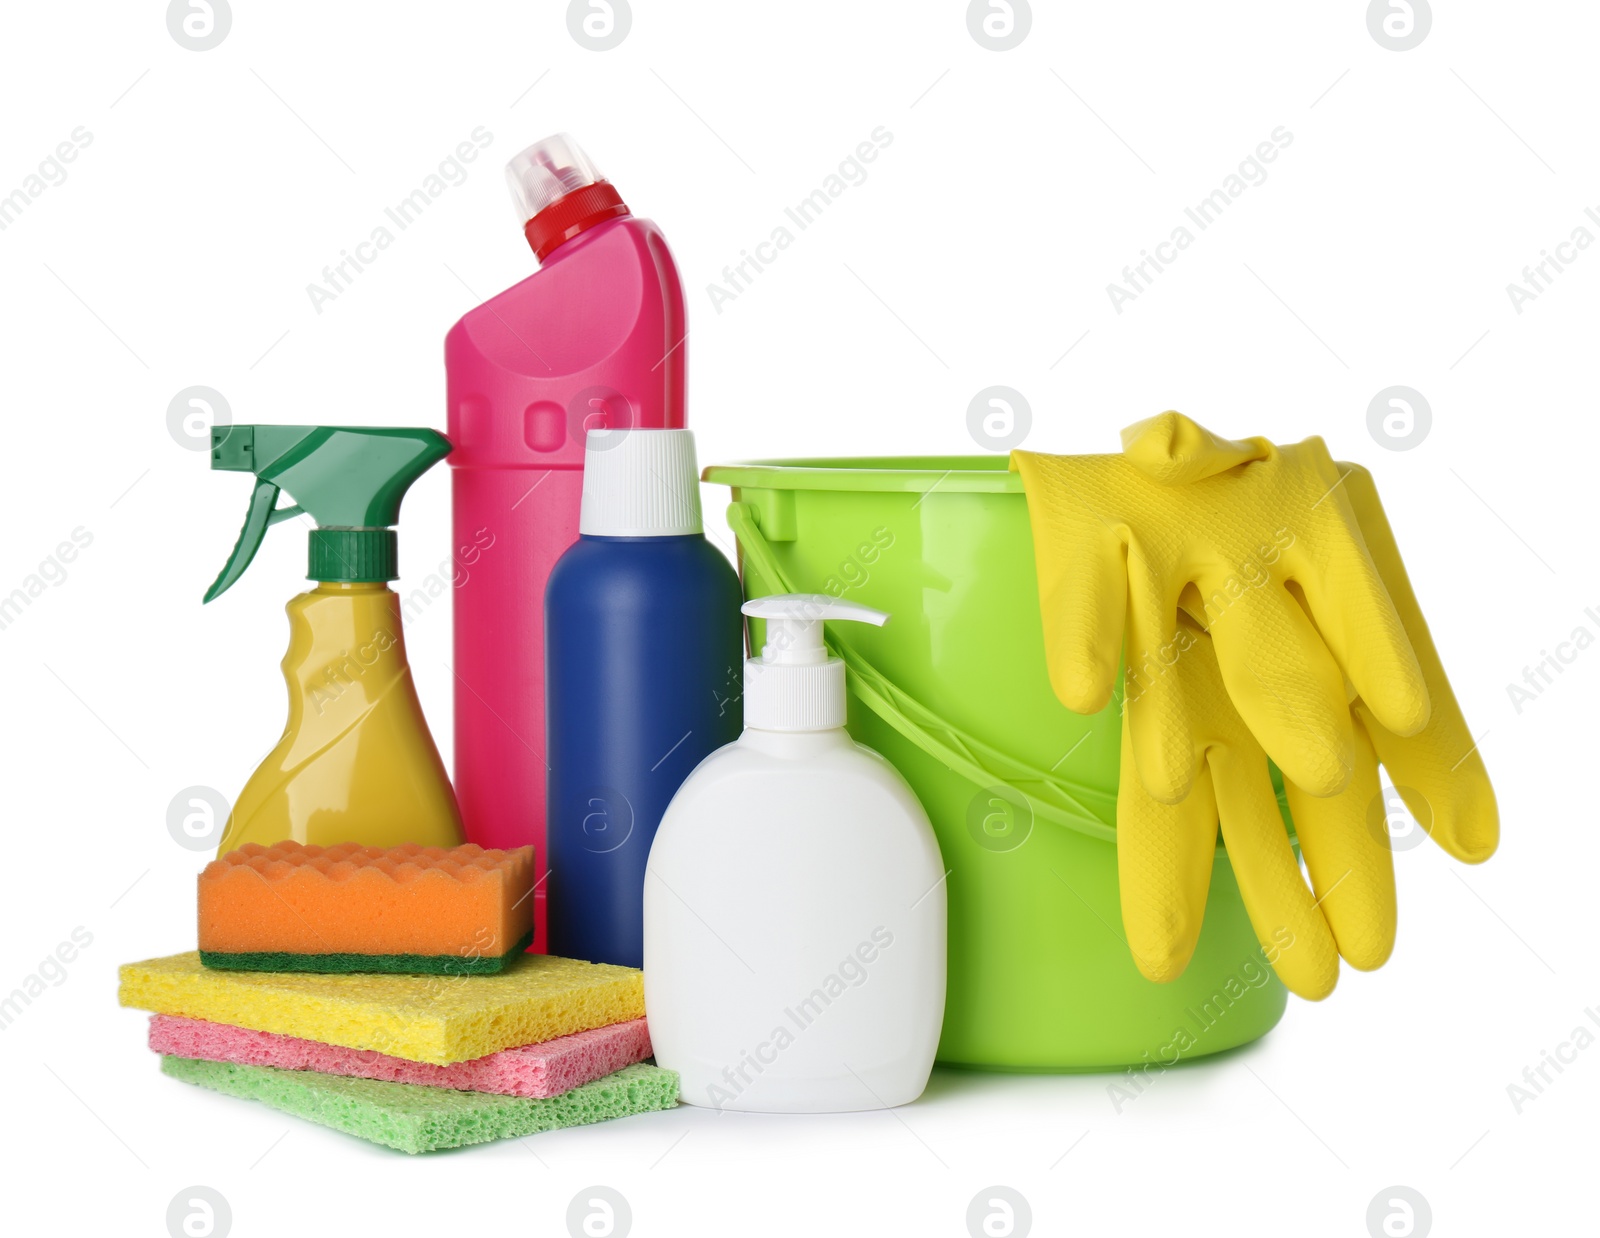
794	685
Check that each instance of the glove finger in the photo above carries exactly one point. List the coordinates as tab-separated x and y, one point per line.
1287	921
1438	771
1351	867
1357	615
1164	857
1441	777
1162	725
1083	592
1285	684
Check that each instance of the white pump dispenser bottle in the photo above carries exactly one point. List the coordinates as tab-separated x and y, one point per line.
794	900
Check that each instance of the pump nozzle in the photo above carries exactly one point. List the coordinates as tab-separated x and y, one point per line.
794	624
349	479
794	685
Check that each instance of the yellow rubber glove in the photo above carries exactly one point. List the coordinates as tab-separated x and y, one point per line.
1258	540
1164	851
1439	770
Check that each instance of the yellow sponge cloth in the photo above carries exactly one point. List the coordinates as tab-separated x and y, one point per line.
437	1019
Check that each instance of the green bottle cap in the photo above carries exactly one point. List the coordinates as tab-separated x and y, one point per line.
349	479
354	554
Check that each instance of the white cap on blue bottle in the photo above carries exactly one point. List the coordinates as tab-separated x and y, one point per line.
640	483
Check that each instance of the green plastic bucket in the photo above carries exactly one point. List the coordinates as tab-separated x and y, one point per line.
1021	791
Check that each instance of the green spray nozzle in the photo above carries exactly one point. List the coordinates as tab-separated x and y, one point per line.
349	479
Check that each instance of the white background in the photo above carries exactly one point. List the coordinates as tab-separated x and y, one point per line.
1018	184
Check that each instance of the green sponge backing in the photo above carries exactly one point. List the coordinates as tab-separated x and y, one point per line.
412	964
414	1118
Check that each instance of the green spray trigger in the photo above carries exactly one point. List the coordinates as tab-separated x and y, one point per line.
264	513
349	479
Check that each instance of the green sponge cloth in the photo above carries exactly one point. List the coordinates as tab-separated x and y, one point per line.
414	1118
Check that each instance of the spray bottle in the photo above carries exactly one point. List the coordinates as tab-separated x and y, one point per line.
356	762
592	340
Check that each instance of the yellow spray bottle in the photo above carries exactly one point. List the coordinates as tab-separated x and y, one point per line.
356	762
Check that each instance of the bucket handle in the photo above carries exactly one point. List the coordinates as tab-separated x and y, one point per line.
1050	798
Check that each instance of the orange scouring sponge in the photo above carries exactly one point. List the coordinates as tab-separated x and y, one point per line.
289	907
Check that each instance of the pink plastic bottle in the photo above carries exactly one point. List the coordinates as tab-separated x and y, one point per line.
593	340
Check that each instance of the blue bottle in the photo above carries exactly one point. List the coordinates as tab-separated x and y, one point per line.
644	651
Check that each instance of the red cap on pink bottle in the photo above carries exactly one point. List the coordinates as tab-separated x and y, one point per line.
560	192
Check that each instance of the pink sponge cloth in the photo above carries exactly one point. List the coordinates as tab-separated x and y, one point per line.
541	1070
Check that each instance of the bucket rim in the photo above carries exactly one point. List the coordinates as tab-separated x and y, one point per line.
872	474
